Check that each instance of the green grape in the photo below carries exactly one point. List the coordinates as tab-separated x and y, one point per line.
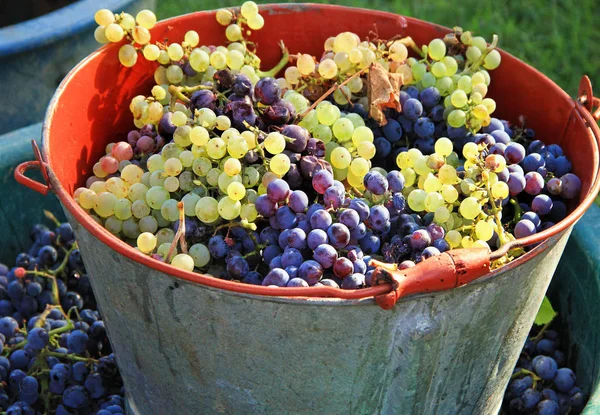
228	208
490	104
445	85
200	255
355	56
148	224
128	56
418	71
114	32
355	85
340	158
366	149
201	166
169	210
448	175
328	69
236	191
232	166
480	244
156	196
292	75
432	184
87	198
212	177
465	84
173	166
183	261
174	74
451	65
251	177
199	60
428	80
237	147
438	69
340	174
98	187
356	120
256	22
171	184
235	59
186	157
146	242
207	209
433	201
310	121
480	111
341	95
140	208
343	129
492	60
122	209
436	49
359	167
251	195
480	43
435	161
104	204
165	236
457	118
398	51
130	228
473	53
298	101
155	162
403	161
409	176
280	164
453	238
362	134
327	114
305	64
216	148
191	38
218	59
470	208
443	146
470	151
225	180
186	181
104	17
274	143
478	78
420	166
416	200
500	191
442	215
459	98
250	139
113	225
158	178
164	248
248	212
345	42
189	204
322	132
484	230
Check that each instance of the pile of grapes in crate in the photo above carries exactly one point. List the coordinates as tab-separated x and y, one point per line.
55	357
373	149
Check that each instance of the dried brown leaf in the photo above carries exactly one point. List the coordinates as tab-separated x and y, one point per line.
384	91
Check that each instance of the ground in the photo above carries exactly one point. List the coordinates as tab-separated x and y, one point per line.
557	37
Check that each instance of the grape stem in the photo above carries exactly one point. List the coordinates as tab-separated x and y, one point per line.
518	210
525	372
542	330
285	58
408	41
51	216
499	228
179	236
475	65
330	91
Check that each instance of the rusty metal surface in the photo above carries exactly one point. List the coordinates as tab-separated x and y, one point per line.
195	349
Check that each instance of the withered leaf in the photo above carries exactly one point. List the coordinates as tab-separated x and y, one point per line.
384	91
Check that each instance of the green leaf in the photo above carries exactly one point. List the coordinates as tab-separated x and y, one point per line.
545	314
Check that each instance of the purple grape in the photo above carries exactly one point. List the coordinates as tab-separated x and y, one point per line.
514	153
132	137
524	228
516	183
360	266
554	186
267	91
534	183
562	166
292	271
542	205
375	183
278	190
353	282
316	237
361	207
300	136
271	252
297	238
286	217
329	283
392	131
322	180
165	125
242	85
412	108
420	239
532	162
358	233
436	231
558	212
441	244
533	217
379	217
382	147
350	218
241	112
297	282
291	257
502	137
321	219
310	271
265	206
370	243
343	267
536	146
312	209
530	399
333	197
298	201
276	115
430	97
395	181
571	186
548	407
339	235
203	98
564	380
546	368
424	127
276	276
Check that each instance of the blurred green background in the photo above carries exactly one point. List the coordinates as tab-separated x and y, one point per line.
558	37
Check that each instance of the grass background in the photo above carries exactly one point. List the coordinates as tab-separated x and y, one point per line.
558	37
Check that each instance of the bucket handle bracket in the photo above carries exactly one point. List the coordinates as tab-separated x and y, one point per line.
39	164
586	97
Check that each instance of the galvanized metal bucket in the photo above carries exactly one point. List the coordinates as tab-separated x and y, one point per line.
190	344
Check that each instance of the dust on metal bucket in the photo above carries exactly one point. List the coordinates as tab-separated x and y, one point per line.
414	343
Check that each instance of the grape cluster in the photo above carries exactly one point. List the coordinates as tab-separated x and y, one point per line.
233	172
542	383
55	355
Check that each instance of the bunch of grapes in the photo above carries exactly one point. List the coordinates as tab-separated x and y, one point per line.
55	355
542	383
289	181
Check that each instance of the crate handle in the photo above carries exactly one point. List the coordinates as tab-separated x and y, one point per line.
29	165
